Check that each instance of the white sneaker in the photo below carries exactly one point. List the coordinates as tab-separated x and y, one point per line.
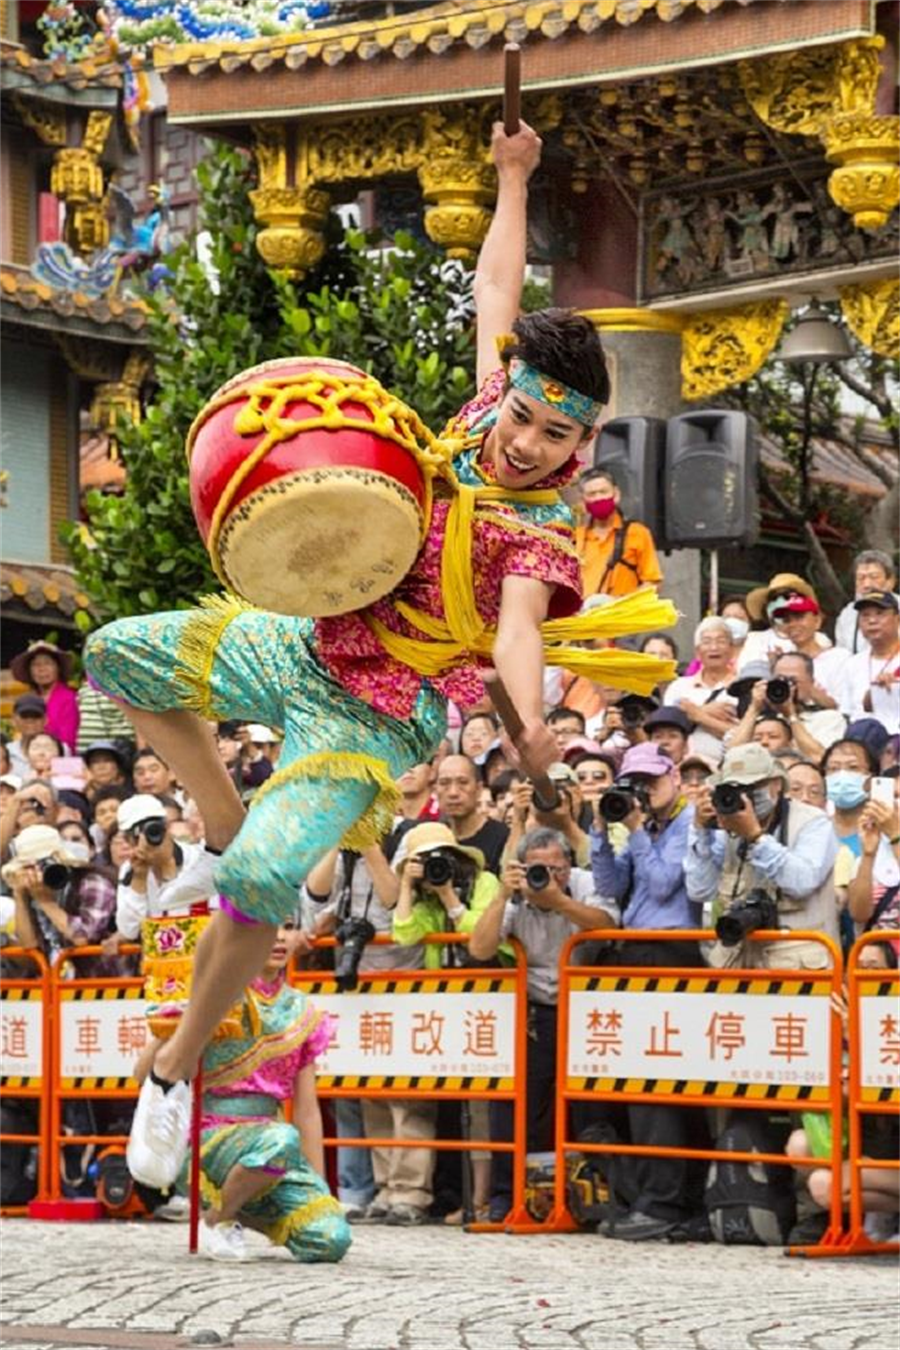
221	1242
159	1134
177	1209
194	882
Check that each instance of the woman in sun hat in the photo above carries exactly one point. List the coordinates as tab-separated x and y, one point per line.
48	669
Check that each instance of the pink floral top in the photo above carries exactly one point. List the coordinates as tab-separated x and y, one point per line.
509	539
291	1035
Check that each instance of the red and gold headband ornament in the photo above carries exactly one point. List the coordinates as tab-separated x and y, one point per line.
561	397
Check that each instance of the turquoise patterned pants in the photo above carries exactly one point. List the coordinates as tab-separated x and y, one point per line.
334	783
297	1211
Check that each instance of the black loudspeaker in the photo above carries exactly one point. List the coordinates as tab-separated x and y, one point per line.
633	450
710	495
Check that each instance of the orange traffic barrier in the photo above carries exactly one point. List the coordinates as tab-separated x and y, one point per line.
689	1074
478	1032
94	1030
874	1061
27	1018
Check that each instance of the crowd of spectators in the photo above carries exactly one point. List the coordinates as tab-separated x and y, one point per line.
765	774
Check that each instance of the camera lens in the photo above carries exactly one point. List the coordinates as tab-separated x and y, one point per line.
154	831
759	910
37	807
54	874
353	934
438	869
615	804
728	798
537	877
778	690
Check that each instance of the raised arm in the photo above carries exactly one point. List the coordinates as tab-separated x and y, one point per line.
501	263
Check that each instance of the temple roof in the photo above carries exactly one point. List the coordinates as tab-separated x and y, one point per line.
451	50
441	27
92	82
27	301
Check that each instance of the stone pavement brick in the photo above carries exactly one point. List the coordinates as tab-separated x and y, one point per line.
438	1289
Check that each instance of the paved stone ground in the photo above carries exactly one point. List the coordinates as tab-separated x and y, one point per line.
110	1285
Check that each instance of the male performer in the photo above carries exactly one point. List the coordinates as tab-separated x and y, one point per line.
358	700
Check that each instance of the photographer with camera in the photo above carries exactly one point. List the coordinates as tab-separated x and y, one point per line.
62	898
444	888
541	902
146	887
34	804
352	895
647	879
703	696
791	693
758	860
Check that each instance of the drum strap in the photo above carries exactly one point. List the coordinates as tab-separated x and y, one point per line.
462	636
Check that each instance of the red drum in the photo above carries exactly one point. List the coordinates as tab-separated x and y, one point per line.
311	486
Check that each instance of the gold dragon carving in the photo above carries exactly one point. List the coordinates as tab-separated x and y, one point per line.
829	92
724	347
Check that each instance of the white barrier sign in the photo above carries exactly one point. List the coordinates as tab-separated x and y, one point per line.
21	1023
880	1039
714	1038
440	1035
101	1038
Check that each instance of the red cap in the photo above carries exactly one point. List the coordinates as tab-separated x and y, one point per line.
795	604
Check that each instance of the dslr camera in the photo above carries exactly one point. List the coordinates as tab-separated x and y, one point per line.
439	868
537	876
758	910
153	830
55	875
728	798
779	690
618	802
352	933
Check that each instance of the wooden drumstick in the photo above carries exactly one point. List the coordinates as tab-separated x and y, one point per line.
512	87
546	797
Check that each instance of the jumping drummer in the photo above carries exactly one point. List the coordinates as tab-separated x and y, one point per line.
357	698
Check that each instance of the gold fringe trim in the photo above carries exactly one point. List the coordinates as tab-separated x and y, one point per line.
301	1218
640	612
339	766
196	650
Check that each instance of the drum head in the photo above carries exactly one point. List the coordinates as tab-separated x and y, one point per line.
321	542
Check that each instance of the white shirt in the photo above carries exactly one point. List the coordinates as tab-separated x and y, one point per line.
846	630
132	908
542	933
830	671
860	671
701	741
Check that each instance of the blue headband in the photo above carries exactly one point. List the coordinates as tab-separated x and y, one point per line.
558	396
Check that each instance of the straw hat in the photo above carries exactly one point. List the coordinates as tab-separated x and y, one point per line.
20	666
33	845
757	599
428	838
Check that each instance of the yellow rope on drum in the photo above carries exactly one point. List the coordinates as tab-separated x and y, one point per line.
263	405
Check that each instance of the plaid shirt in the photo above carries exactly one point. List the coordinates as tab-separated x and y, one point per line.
96	896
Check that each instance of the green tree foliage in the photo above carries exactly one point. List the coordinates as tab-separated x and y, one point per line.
797	405
404	314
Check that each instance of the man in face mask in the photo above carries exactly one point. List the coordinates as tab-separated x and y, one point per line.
616	555
753	854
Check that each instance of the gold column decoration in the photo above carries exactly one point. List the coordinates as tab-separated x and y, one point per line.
872	312
77	179
457	176
829	92
46	120
724	347
288	202
119	400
